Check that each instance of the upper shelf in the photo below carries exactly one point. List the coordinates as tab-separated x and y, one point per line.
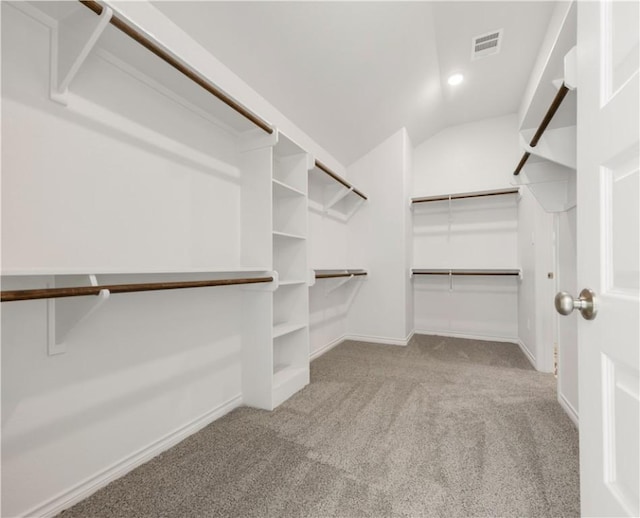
339	179
559	40
143	53
548	124
332	194
332	274
463	195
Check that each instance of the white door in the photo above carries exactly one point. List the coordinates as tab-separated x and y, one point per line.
608	257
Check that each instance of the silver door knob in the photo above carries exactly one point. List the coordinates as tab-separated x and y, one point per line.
565	304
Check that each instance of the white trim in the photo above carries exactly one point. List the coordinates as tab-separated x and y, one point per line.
488	338
359	338
568	408
527	353
90	485
380	339
326	348
34	13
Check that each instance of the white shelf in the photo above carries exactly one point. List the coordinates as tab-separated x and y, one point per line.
287	235
283	373
287	381
516	272
119	271
331	196
282	189
286	328
465	195
291	283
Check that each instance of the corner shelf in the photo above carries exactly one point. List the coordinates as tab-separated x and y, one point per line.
286	328
332	195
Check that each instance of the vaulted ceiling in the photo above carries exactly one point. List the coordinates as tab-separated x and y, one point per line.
350	74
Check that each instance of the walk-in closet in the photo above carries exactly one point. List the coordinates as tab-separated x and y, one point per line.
320	258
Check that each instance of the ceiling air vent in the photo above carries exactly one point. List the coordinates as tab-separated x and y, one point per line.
486	44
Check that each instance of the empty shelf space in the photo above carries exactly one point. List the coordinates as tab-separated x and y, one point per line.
287	235
286	328
282	190
283	373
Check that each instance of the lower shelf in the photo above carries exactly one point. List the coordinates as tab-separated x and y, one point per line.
286	328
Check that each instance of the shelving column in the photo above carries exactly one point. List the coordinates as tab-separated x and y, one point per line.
290	301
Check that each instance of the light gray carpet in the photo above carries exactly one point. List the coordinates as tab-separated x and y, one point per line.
444	427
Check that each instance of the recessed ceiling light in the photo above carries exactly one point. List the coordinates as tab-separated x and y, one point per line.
455	79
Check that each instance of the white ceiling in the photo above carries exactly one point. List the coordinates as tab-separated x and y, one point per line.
350	74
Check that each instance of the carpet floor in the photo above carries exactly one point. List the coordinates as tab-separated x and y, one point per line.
443	427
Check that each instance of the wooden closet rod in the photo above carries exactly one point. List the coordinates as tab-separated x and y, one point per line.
337	178
523	161
334	275
555	104
180	67
557	101
466	272
465	195
53	293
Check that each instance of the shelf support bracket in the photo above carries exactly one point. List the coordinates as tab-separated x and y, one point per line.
355	208
337	198
340	282
63	315
71	42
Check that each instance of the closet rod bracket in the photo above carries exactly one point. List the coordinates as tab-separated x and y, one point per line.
66	314
339	196
71	42
338	282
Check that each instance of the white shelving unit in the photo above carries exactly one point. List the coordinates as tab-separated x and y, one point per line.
550	170
203	193
290	361
447	226
466	245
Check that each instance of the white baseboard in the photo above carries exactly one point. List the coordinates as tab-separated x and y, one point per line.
326	348
488	338
359	338
527	353
90	485
568	408
380	339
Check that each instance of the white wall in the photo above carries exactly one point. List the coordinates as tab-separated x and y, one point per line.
470	157
139	371
328	307
377	239
407	165
478	233
536	317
